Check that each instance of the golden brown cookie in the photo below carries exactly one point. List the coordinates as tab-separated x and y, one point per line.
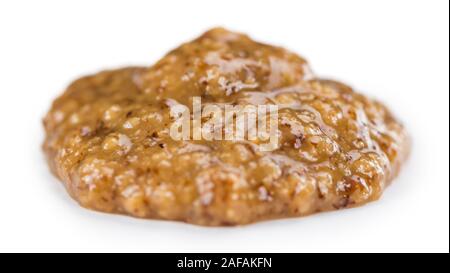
108	138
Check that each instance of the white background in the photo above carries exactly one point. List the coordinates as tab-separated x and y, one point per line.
396	51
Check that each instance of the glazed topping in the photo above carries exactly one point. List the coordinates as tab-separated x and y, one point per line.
222	63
